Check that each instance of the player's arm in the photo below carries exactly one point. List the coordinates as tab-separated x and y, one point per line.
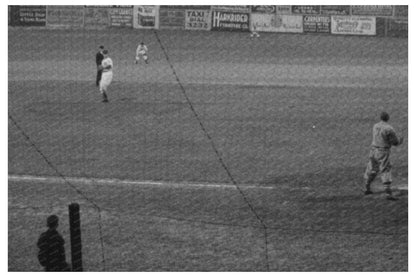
394	139
107	66
138	51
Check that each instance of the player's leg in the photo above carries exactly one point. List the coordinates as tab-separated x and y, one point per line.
386	178
98	79
103	91
103	87
370	172
145	58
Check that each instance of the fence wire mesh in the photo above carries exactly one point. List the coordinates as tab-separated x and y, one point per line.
224	153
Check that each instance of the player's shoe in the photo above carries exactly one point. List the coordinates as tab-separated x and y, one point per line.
368	192
390	195
391	198
105	99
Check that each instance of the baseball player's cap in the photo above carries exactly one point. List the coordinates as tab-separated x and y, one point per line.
101	47
105	51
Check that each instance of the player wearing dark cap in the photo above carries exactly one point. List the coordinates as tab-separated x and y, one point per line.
384	137
99	57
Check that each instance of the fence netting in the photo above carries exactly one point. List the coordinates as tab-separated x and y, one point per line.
225	152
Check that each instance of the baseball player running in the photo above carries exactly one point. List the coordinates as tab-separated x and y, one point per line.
141	51
107	75
384	137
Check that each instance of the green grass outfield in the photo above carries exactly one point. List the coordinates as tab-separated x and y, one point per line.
153	193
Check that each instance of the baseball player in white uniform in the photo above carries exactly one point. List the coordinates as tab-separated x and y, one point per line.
253	32
384	137
141	51
107	75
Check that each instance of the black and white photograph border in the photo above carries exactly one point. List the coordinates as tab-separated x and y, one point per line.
208	152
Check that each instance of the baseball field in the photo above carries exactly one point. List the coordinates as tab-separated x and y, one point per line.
224	153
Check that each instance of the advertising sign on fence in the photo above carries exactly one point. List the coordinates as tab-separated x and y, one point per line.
401	11
28	15
186	7
375	10
306	9
263	9
230	8
353	25
65	16
121	16
277	23
230	21
146	17
198	20
171	18
283	9
397	27
335	10
96	17
316	24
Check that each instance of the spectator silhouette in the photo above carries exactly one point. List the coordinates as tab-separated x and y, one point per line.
51	247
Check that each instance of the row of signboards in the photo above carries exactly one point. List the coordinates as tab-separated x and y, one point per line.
296	19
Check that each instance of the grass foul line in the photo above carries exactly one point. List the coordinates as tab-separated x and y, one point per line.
114	181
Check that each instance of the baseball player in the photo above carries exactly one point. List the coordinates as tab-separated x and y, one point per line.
141	51
253	32
98	59
107	75
384	137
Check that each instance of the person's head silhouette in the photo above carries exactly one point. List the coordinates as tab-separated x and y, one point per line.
52	221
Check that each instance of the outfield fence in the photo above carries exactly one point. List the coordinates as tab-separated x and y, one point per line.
381	20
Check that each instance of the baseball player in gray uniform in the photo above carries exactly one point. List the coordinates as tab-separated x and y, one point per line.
384	137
